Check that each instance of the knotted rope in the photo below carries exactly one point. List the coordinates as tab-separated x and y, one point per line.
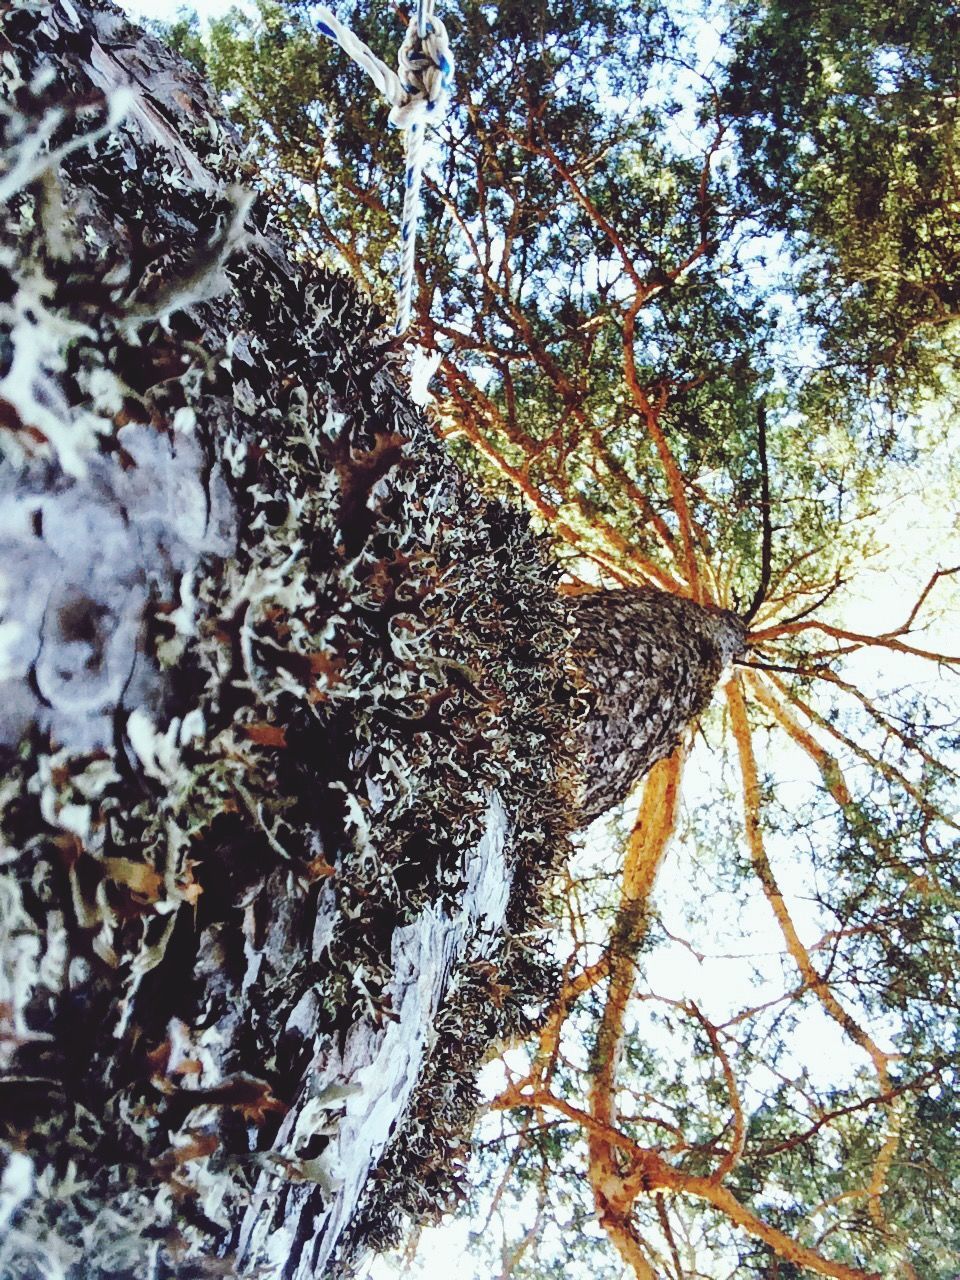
418	97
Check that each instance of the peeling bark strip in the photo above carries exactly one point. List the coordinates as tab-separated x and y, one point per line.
360	1091
650	662
287	712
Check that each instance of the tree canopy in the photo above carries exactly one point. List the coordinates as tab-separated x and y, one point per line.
693	276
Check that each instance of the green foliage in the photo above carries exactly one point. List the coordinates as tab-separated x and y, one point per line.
849	126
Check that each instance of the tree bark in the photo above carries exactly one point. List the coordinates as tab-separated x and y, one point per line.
292	717
650	663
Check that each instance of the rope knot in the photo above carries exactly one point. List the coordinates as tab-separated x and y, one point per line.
418	96
426	74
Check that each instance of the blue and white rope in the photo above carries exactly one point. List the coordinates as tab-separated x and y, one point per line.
418	97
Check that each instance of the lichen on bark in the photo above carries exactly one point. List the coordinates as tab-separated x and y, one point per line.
262	698
649	663
291	714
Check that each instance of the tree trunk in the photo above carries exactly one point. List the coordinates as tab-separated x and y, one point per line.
291	716
650	662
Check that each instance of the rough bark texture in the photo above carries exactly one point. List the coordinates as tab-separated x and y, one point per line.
650	663
288	712
277	689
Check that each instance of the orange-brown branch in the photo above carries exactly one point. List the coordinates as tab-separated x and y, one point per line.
651	1173
888	771
885	641
650	415
732	1157
813	980
649	840
646	847
827	765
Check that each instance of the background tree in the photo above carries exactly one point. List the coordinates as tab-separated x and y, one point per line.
855	107
695	308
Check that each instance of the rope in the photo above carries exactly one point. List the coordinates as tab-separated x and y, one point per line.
418	96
